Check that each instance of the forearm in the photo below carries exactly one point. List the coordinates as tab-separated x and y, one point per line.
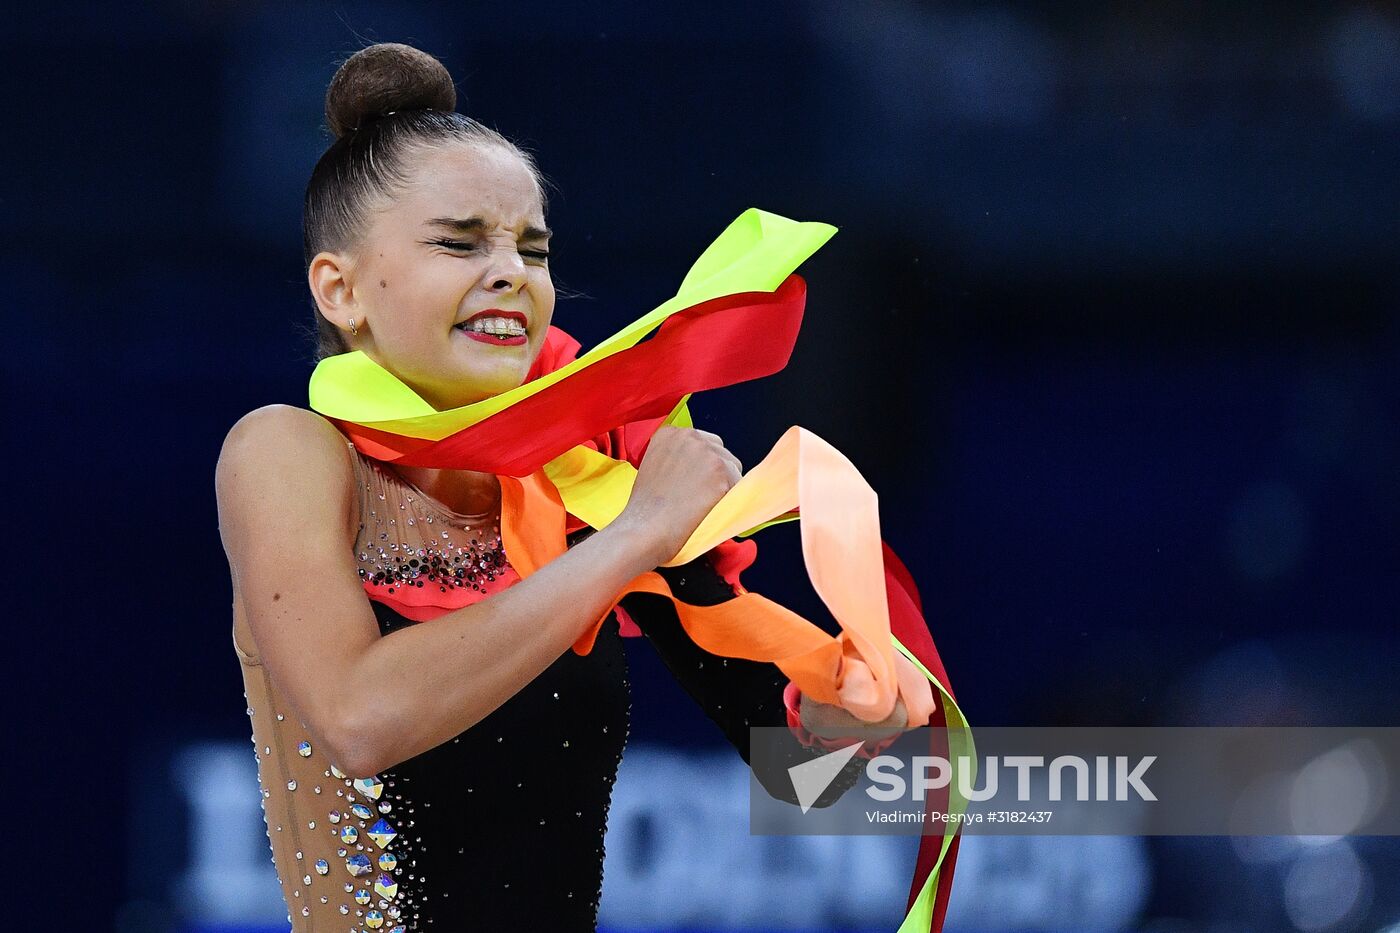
736	694
433	680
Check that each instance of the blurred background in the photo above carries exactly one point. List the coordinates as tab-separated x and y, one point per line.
1111	324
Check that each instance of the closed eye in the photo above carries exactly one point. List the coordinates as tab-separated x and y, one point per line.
465	247
462	245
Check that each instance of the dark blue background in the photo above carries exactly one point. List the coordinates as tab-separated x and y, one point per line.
1110	324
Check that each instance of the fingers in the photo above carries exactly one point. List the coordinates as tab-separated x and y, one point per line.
832	722
914	699
716	443
915	691
736	468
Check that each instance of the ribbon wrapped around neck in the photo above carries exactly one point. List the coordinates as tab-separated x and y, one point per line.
542	440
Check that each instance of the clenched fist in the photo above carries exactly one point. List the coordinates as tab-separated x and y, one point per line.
684	472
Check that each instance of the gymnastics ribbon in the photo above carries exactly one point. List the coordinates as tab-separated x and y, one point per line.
550	442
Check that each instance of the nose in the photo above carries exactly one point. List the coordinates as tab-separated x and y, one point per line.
507	273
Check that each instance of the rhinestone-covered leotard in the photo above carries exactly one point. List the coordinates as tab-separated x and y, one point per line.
501	827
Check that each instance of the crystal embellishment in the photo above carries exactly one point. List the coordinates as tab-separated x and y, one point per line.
357	865
382	833
304	749
436	561
361	811
322	866
386	887
371	787
388	861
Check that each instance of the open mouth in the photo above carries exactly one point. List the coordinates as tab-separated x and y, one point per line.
499	330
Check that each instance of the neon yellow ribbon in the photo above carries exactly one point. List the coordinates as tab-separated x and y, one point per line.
755	253
960	748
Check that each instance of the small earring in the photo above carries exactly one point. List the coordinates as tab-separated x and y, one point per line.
352	328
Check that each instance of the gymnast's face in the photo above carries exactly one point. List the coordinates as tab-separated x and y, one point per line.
449	284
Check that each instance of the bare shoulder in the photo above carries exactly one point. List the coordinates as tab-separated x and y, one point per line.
287	459
284	434
282	428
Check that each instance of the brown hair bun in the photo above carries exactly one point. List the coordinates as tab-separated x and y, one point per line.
382	78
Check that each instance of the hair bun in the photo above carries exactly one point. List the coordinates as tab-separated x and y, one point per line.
382	78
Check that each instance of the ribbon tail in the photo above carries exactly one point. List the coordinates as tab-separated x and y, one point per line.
932	884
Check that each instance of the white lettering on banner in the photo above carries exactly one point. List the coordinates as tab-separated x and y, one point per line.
887	785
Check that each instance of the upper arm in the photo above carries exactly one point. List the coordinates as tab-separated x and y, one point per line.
285	487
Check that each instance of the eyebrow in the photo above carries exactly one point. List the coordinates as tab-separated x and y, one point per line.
476	225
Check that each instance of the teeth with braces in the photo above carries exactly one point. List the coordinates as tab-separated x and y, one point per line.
501	327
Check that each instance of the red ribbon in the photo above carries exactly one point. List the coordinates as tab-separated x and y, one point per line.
716	343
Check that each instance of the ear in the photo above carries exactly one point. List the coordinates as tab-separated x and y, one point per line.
331	277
